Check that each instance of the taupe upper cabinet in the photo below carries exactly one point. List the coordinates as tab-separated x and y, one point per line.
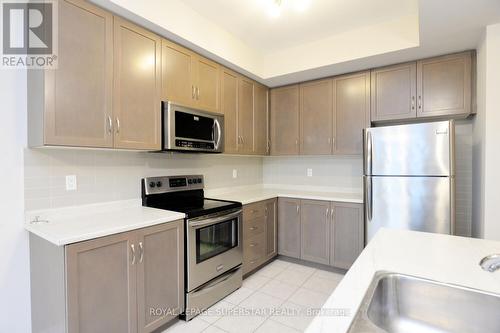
177	74
137	87
289	227
441	87
315	231
245	115
444	85
260	119
189	79
351	112
394	92
284	126
316	114
229	107
71	105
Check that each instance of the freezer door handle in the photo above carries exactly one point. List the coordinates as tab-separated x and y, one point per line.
368	152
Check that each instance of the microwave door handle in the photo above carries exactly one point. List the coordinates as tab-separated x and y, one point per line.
219	133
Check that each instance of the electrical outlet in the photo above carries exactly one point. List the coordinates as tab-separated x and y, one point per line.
71	183
235	173
309	172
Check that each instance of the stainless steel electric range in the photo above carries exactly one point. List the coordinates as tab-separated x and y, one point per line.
213	238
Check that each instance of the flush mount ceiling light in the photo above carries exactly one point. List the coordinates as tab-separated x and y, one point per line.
274	8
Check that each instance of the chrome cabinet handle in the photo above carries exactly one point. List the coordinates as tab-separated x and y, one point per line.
413	102
297	209
326	213
420	102
253	228
132	247
296	142
198	93
117	125
141	252
252	245
193	92
110	125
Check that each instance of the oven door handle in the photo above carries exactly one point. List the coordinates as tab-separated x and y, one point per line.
213	220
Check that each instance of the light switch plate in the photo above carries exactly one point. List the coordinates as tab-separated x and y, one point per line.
71	183
309	172
235	173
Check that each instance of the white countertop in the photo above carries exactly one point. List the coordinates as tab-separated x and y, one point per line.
448	259
78	223
250	194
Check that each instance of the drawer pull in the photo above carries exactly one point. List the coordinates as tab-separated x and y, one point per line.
253	228
253	244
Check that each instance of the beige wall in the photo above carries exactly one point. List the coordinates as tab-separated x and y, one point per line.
114	175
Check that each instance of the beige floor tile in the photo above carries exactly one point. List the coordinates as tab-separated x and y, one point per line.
279	264
328	275
293	316
216	311
294	276
279	289
308	298
271	326
194	326
255	282
241	321
326	286
301	268
213	329
269	271
261	302
239	295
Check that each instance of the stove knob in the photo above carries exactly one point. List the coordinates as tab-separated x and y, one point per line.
152	184
159	184
199	180
194	181
190	181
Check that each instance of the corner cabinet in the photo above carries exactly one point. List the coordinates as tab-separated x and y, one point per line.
324	232
105	92
109	284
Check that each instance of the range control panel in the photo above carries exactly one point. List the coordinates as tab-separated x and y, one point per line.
156	185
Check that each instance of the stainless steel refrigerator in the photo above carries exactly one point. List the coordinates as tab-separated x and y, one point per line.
409	177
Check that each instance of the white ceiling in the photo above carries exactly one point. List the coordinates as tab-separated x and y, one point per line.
330	37
249	20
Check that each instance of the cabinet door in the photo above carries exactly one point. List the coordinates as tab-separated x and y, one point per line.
207	84
393	92
347	234
444	85
137	85
315	231
160	274
229	107
101	285
177	74
78	94
351	105
260	122
271	229
316	118
285	120
289	227
245	115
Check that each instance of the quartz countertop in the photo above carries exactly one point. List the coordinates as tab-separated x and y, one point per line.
443	258
79	223
251	194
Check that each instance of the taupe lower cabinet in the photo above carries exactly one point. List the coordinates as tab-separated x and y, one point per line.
435	87
259	234
105	91
128	282
244	105
324	232
284	121
188	78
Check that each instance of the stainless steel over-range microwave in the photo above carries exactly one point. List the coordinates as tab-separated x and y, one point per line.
187	129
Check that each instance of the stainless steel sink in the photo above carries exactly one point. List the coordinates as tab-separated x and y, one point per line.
401	303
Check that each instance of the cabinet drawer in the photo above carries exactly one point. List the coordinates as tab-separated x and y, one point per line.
253	227
254	249
253	211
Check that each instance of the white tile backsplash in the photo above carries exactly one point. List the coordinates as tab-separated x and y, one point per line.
105	175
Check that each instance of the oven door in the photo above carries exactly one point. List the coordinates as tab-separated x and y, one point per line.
214	246
192	130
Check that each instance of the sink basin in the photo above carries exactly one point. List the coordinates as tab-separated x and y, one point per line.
401	303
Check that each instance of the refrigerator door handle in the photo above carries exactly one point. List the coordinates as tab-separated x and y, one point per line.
368	152
368	199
